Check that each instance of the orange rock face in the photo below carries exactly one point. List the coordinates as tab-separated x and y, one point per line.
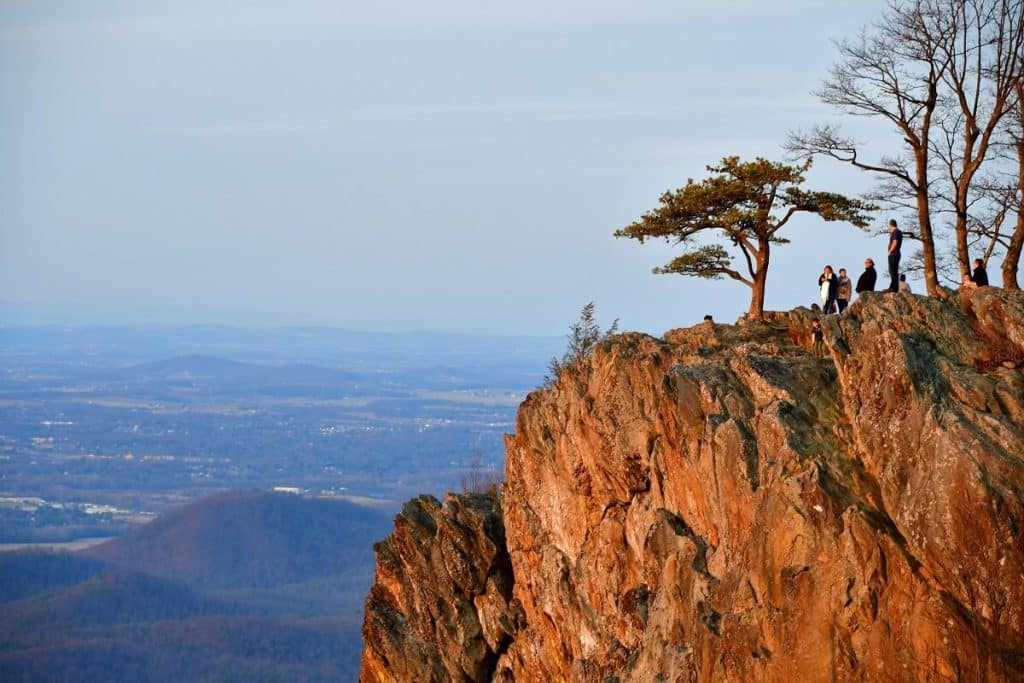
438	610
719	505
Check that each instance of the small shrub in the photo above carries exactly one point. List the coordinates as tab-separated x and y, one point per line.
583	335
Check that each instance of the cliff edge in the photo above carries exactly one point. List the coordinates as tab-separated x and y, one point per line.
718	504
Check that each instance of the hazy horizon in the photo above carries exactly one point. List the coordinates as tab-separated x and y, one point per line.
390	167
18	316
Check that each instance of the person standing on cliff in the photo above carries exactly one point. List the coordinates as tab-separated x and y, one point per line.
867	279
895	242
844	291
828	283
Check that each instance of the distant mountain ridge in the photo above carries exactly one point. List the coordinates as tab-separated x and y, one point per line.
318	345
228	374
224	369
109	598
29	572
250	539
242	585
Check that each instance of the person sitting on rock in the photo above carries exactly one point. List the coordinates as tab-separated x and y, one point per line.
904	285
980	276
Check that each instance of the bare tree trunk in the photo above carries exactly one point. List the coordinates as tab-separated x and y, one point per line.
924	219
931	277
1011	261
963	255
982	43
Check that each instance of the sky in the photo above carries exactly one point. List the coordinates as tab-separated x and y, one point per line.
455	166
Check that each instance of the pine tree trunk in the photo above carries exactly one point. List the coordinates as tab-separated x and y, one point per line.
760	277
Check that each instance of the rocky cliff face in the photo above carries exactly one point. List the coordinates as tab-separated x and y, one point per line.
718	504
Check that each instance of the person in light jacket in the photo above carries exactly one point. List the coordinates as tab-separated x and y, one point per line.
844	291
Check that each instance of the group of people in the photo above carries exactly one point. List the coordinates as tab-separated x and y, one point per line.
835	289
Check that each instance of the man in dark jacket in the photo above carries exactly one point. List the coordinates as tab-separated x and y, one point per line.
895	242
980	275
866	281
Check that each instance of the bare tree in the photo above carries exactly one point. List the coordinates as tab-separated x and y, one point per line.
981	43
479	479
947	268
892	71
944	73
1011	261
999	194
995	198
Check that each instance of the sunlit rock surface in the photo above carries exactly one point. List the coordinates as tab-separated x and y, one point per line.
719	505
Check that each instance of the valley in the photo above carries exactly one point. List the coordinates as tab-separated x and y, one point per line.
104	429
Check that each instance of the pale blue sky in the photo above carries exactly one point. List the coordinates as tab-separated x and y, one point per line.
454	165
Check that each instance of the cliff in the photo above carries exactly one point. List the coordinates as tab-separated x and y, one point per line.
718	504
